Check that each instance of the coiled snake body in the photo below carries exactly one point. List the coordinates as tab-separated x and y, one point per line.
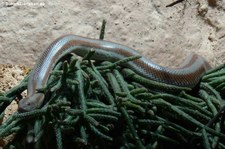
187	75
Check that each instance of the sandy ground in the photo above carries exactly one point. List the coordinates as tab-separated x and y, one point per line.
163	34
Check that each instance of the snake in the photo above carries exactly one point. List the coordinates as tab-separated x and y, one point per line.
188	74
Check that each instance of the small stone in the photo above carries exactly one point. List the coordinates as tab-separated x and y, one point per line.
203	9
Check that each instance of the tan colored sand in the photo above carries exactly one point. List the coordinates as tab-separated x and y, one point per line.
162	34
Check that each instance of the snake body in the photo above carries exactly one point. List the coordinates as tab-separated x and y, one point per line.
187	75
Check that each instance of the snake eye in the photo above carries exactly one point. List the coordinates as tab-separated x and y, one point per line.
24	105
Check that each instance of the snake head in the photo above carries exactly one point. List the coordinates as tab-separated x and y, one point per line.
31	103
